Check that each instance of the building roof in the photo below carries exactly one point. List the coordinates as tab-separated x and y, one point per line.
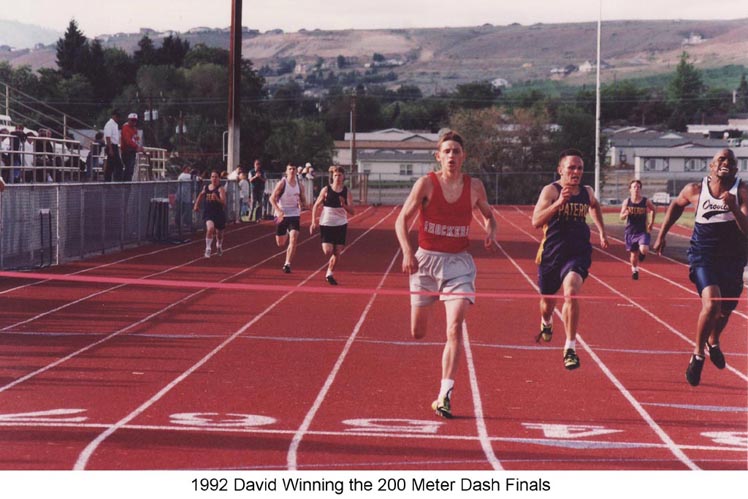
386	144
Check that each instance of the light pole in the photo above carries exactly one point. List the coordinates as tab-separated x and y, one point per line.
597	105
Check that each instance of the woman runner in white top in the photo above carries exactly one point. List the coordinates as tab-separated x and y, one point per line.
288	200
337	203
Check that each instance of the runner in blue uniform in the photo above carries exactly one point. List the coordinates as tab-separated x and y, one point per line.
635	211
565	254
717	254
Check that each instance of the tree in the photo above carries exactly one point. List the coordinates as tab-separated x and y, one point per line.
72	51
146	55
173	51
476	95
685	93
741	96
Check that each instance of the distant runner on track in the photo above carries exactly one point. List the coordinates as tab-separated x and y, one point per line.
635	211
214	213
445	201
717	255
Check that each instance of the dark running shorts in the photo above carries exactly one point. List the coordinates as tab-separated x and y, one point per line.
728	275
219	220
333	234
550	277
286	225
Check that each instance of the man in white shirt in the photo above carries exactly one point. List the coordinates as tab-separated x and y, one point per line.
113	169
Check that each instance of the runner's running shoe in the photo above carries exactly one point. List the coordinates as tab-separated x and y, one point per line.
635	275
546	333
442	407
693	372
207	252
716	355
571	361
331	280
286	269
219	250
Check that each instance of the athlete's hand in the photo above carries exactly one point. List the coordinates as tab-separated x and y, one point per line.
312	228
603	241
730	200
659	245
410	264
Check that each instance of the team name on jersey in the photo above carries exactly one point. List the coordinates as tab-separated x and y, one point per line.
446	230
708	205
574	211
637	210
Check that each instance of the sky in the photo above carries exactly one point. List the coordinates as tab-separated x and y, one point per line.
96	17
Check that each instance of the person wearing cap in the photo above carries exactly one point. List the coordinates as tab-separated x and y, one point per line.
130	146
113	167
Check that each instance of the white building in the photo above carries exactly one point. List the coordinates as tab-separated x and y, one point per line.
389	155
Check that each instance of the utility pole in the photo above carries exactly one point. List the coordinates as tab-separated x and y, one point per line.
235	68
354	169
597	105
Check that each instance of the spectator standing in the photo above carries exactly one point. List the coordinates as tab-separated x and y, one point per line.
130	146
257	181
94	155
113	167
244	197
184	198
17	147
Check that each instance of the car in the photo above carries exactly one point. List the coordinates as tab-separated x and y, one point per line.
660	198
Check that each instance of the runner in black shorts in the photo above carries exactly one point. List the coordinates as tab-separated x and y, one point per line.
214	212
288	199
337	204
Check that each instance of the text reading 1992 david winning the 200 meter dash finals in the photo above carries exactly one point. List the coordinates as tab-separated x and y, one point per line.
508	484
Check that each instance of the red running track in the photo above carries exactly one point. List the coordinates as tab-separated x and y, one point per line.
111	374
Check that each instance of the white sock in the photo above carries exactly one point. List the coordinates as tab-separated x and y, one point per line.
329	273
634	269
208	242
446	386
546	324
570	344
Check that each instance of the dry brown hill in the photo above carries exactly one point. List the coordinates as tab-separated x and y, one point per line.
438	59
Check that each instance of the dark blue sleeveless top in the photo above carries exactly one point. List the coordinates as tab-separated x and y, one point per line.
567	233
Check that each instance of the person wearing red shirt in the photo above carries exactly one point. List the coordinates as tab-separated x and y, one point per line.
130	146
441	267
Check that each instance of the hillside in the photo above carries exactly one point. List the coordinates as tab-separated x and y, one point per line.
439	59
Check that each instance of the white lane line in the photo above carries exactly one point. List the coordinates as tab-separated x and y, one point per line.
480	420
108	337
671	445
293	449
88	451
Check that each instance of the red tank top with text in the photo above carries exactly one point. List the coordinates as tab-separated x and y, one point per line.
444	226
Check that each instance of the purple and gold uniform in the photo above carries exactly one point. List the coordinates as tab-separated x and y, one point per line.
717	254
635	233
566	243
213	208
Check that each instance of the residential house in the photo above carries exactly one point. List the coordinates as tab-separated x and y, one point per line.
389	155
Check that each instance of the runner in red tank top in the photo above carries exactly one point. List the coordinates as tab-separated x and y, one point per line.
442	267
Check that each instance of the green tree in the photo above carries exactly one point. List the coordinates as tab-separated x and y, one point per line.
685	93
741	96
146	55
298	141
476	95
173	51
201	53
72	51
